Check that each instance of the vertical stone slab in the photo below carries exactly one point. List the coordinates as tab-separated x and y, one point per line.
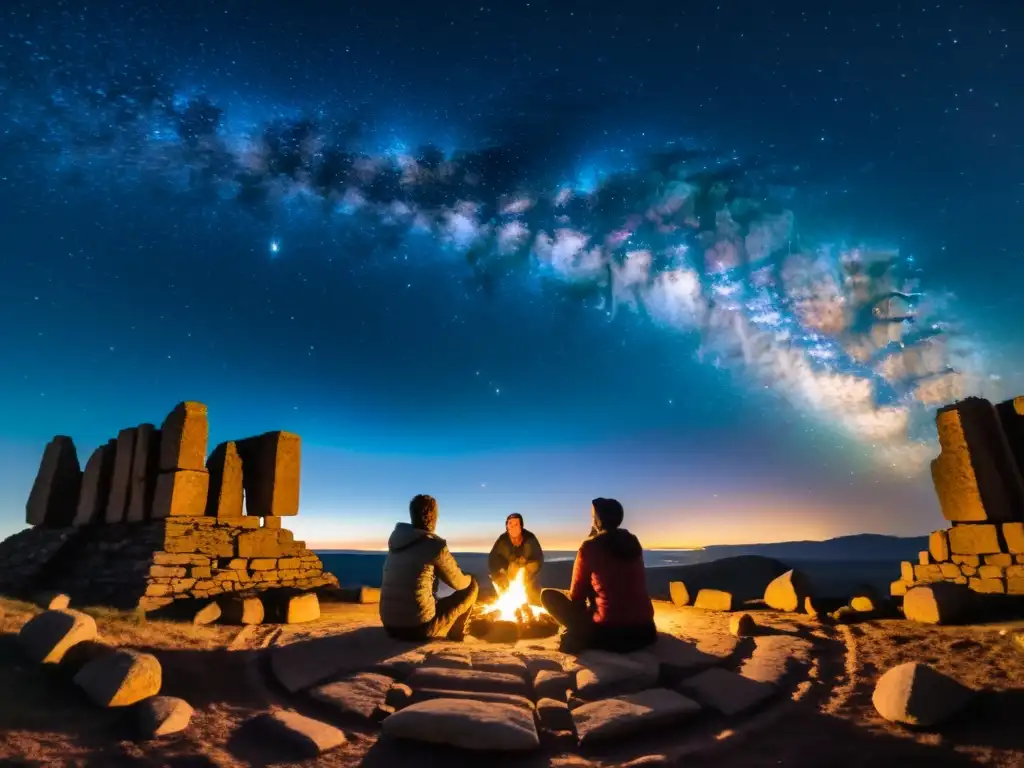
975	476
1011	416
54	495
145	466
121	480
270	473
181	494
225	468
183	438
99	470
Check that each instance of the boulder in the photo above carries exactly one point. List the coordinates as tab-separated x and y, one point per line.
162	716
915	694
428	694
398	696
713	600
308	736
208	614
236	609
120	678
939	603
742	625
787	592
603	674
357	695
551	685
46	637
554	715
678	593
898	588
466	724
467	680
631	714
282	606
863	604
53	600
727	692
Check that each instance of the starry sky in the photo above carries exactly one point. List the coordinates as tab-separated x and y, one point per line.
720	260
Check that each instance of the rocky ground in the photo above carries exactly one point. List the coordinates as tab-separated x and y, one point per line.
817	682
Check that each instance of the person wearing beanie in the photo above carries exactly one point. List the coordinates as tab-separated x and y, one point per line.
516	549
607	606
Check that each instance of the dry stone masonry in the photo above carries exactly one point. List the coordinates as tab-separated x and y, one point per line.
152	519
978	479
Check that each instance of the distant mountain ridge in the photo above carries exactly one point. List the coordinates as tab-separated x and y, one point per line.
860	547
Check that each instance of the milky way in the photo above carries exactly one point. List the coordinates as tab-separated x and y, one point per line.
691	239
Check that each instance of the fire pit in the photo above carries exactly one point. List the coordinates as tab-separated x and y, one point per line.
511	617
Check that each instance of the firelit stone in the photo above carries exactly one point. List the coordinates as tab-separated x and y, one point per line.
949	570
95	493
184	435
927	573
145	465
974	539
225	468
938	546
270	471
898	588
907	571
975	476
991	572
1011	416
714	600
272	522
923	558
181	494
1002	559
121	480
987	586
1013	533
972	560
54	495
261	543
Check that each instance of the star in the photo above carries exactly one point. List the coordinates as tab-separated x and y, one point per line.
275	247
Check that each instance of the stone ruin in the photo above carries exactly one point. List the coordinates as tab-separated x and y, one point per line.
152	519
978	479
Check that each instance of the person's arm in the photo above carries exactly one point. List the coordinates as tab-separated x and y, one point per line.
534	556
448	570
579	588
497	561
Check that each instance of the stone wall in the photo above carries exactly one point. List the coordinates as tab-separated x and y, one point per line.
152	519
978	479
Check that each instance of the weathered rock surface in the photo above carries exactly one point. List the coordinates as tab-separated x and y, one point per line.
938	603
286	607
162	716
272	463
465	724
236	609
631	714
603	674
915	694
498	661
358	695
47	637
467	680
207	614
428	694
301	665
53	499
120	678
551	685
727	692
308	736
714	600
788	591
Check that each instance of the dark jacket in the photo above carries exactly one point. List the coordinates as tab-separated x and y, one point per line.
407	588
609	569
504	553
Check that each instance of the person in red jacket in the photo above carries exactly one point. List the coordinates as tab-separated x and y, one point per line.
607	606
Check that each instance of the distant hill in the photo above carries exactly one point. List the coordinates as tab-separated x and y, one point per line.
861	547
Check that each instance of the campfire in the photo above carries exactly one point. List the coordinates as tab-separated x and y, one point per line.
511	617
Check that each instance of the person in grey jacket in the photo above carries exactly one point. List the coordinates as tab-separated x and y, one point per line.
408	608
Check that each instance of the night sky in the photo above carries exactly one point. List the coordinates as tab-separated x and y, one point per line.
720	260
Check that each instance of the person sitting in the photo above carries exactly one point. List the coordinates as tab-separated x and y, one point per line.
609	572
516	549
408	607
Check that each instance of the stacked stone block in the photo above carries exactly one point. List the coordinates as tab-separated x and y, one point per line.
978	480
152	519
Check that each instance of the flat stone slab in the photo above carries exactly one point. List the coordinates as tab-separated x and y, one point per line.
496	661
776	656
675	656
727	692
358	695
308	736
600	674
629	715
466	724
302	664
428	694
548	684
467	680
449	659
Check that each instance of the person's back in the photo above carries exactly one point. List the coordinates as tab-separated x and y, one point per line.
612	571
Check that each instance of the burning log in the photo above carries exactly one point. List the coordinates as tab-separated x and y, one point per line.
511	617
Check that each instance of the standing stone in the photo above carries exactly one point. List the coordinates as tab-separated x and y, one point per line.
120	483
679	593
938	546
1011	416
181	494
99	471
788	591
183	438
714	600
54	495
975	476
270	473
145	465
225	468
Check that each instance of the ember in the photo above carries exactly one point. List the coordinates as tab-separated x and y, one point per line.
511	617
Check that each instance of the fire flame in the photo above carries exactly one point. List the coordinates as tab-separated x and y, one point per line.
512	603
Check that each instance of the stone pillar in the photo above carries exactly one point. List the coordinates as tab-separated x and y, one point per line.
225	468
1011	416
183	482
270	473
54	496
145	466
99	470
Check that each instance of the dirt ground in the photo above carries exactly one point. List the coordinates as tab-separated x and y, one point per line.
826	718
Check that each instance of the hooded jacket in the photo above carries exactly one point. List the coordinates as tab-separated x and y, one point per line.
609	569
504	552
407	588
